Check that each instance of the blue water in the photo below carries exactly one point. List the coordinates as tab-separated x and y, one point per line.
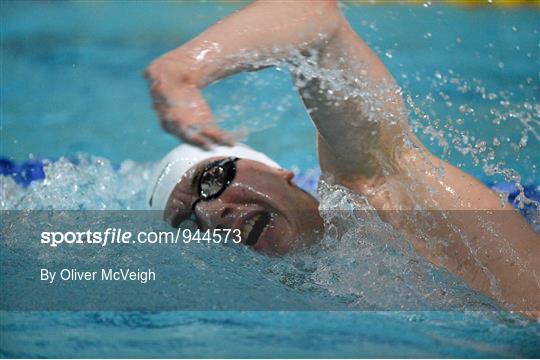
71	83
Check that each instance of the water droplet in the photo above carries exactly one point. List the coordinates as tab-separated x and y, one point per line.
465	109
480	146
523	141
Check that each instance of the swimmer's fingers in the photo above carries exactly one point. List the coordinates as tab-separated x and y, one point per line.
201	136
184	112
187	133
218	136
194	127
205	135
189	117
198	140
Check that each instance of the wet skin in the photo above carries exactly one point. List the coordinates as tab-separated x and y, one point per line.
274	215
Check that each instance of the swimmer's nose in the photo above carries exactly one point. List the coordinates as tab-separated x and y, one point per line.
213	214
286	174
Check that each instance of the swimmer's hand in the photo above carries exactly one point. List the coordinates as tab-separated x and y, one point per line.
180	105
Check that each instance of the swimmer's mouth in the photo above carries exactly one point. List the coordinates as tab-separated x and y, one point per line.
255	227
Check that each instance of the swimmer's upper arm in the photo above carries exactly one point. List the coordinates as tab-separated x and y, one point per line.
357	108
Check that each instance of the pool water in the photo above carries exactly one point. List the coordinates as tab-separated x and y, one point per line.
72	85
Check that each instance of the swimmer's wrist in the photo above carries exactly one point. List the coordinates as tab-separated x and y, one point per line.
174	67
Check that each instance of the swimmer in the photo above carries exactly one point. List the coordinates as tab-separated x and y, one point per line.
364	144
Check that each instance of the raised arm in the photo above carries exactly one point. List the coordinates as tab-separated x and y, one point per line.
266	32
245	40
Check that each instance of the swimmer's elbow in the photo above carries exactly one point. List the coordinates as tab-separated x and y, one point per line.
327	4
327	14
327	8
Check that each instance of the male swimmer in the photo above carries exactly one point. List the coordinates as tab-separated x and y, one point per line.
364	144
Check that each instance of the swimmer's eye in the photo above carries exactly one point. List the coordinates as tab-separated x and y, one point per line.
196	178
215	178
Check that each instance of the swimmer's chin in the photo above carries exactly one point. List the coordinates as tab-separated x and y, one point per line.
280	239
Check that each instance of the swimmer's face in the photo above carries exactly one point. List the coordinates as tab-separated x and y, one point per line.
273	215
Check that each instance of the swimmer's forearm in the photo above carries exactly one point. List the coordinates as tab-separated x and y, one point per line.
263	31
470	233
458	223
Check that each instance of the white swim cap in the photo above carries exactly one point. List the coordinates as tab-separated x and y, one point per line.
177	162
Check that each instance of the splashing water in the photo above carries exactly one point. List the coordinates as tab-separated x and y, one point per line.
89	183
360	261
360	257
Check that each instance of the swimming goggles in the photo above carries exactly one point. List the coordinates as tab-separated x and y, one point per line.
215	178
